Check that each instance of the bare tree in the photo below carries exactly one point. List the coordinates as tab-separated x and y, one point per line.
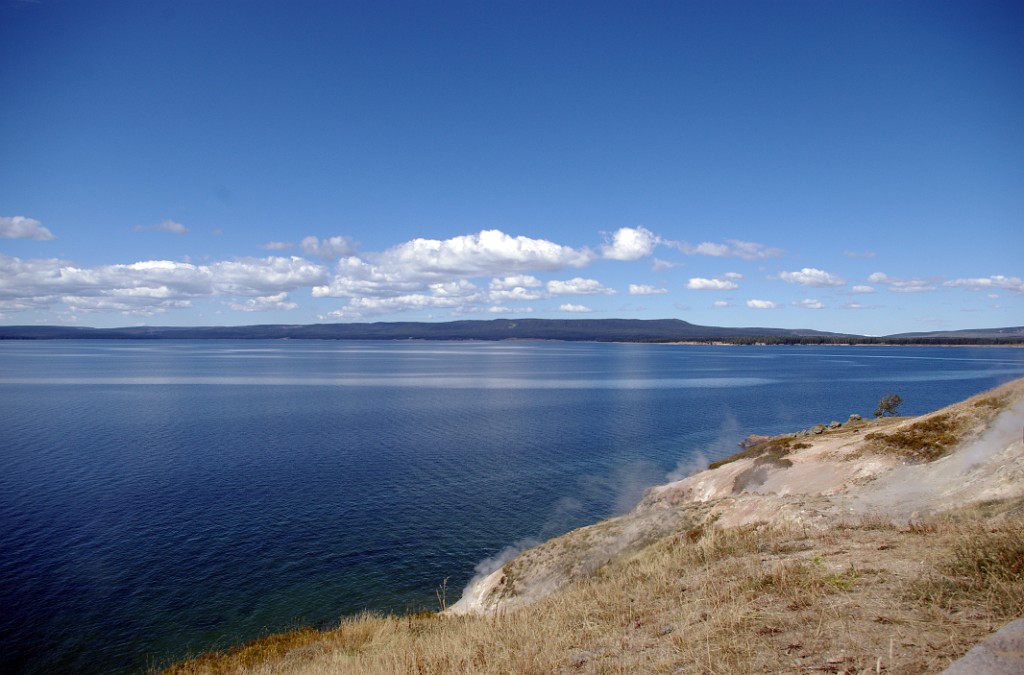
888	405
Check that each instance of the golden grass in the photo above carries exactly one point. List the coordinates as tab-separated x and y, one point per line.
934	436
866	596
771	448
925	441
689	597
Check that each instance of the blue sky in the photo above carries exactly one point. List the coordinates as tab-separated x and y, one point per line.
845	166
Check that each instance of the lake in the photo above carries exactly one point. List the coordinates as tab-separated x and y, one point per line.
163	498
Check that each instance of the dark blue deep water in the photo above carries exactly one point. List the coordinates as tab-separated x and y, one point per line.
163	498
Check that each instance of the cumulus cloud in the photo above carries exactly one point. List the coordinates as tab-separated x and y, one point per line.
20	227
516	281
263	276
701	284
732	248
335	247
437	297
578	286
147	286
762	304
902	285
264	303
630	243
808	303
998	281
163	226
568	307
131	305
354	277
487	253
644	289
517	293
815	278
721	303
862	289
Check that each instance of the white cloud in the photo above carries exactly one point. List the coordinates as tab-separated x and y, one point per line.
277	245
815	278
902	285
644	289
578	286
354	277
517	293
762	304
358	308
264	276
660	265
128	305
998	281
163	226
862	289
488	253
574	308
147	286
264	303
700	284
630	243
516	281
808	303
721	303
454	289
20	227
328	249
732	248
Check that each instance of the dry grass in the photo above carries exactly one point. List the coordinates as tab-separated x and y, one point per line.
683	596
924	441
771	450
863	597
933	436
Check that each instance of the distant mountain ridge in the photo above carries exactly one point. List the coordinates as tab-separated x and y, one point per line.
597	330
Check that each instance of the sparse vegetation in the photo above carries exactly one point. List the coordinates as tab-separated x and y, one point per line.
772	448
924	441
888	405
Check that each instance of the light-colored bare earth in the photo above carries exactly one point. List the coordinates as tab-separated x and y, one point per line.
806	480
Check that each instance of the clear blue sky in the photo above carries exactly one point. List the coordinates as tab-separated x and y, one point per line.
845	166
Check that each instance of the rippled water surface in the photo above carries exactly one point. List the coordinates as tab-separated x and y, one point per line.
163	498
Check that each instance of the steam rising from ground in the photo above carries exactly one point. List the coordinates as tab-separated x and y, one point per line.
979	470
626	484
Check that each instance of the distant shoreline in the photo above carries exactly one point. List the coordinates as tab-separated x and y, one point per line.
652	331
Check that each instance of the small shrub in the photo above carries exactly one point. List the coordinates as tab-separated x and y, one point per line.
888	405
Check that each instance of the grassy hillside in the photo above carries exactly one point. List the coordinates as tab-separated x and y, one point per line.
689	595
864	596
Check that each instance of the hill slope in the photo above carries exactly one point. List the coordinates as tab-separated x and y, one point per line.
606	330
882	546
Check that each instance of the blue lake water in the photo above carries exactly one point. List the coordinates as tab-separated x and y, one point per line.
164	498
